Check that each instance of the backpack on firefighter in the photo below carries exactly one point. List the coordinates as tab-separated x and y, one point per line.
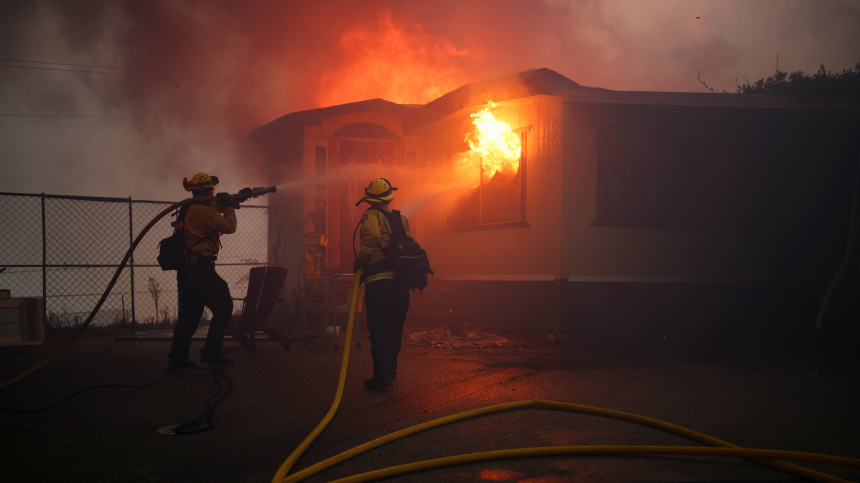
404	254
172	252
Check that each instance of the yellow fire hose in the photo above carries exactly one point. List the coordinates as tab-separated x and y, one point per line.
599	450
291	460
767	457
718	447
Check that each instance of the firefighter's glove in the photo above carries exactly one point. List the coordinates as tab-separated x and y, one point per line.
356	265
224	200
245	193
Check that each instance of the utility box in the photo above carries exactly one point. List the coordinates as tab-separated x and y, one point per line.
22	320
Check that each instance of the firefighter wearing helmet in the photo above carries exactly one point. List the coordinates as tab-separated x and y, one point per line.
199	285
386	301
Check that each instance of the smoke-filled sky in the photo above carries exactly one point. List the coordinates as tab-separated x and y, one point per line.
125	98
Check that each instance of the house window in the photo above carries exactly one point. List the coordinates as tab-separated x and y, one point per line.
648	180
499	199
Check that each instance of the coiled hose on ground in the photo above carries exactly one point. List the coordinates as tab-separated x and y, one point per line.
718	447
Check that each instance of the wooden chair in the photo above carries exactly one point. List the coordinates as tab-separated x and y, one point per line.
264	285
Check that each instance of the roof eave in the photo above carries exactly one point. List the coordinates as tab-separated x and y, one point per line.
691	99
314	117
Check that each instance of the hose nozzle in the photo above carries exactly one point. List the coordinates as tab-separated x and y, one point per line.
246	193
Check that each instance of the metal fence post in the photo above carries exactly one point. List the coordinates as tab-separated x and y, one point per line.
131	264
44	262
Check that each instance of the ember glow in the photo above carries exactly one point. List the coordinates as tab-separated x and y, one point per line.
495	148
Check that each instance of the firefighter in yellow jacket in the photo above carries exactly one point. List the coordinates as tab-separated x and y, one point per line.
198	284
386	300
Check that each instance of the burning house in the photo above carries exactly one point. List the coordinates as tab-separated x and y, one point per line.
554	207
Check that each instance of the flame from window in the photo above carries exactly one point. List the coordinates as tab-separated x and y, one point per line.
495	147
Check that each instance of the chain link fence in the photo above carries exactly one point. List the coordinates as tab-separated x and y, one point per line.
66	249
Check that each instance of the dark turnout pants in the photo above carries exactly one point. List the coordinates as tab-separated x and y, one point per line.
199	288
386	303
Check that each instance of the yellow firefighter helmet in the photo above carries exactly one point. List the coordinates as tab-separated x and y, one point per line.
378	191
200	182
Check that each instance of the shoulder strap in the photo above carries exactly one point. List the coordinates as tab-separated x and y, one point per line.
385	213
183	212
396	222
180	224
202	240
180	217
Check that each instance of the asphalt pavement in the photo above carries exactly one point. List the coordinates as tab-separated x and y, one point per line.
122	400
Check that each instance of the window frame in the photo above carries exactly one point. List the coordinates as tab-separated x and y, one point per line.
449	151
663	148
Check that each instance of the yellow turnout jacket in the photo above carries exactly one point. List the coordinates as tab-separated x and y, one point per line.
203	220
375	233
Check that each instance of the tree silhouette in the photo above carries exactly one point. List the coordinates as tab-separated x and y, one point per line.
842	86
823	84
155	292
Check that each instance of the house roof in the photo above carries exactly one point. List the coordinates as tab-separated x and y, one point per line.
524	84
699	99
314	117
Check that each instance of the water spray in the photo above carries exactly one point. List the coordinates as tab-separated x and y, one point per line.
721	448
417	204
337	174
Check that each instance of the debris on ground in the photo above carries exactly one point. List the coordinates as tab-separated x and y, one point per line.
460	337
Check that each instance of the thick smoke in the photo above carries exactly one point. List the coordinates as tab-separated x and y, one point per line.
189	80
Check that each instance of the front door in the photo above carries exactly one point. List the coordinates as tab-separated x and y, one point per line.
375	158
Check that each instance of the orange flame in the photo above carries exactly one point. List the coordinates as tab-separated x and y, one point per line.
393	59
495	147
